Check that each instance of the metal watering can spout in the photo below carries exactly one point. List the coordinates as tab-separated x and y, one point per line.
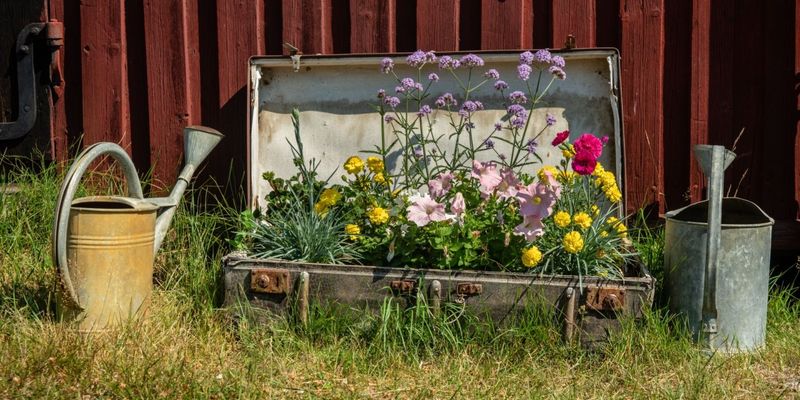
198	141
93	237
713	161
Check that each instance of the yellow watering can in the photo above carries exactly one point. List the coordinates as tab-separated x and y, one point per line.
104	246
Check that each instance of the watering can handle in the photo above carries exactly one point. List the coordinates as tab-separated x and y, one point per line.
68	189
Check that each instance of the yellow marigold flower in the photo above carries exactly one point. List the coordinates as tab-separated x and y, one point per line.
354	165
606	180
562	219
378	215
568	152
531	256
380	179
375	164
598	169
321	208
353	230
622	230
603	234
595	210
573	242
612	221
582	220
542	174
613	195
567	177
330	196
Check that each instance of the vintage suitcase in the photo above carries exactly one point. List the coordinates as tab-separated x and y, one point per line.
335	95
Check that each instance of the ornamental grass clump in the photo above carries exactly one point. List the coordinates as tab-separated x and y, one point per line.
479	197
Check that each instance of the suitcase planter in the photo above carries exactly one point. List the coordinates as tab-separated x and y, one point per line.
335	96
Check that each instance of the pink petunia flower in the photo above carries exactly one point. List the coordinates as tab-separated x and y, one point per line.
507	187
537	199
560	138
487	175
424	210
441	185
458	205
531	228
589	143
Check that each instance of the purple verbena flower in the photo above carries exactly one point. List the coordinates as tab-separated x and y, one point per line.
543	56
492	74
424	110
524	71
407	83
488	143
419	58
498	126
515	109
550	119
517	97
471	60
500	85
388	118
447	62
558	61
387	65
391	101
433	77
531	146
526	58
472	106
399	89
418	152
519	119
381	93
446	99
558	72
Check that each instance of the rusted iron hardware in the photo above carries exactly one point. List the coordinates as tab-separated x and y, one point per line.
403	286
605	298
467	289
272	281
26	78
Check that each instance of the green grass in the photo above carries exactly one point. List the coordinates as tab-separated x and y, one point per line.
189	348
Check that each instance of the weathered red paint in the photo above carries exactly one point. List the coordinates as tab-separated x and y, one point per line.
701	36
797	111
574	17
438	25
106	113
642	75
173	82
59	145
307	25
372	26
506	24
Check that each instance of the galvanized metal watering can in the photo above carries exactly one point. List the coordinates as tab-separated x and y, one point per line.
104	246
717	263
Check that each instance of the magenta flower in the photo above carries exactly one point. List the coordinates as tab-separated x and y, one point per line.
584	163
487	175
531	228
424	210
590	144
458	206
560	138
441	185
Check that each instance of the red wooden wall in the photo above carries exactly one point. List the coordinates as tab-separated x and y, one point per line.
693	71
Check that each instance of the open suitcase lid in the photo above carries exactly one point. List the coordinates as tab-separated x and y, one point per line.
336	96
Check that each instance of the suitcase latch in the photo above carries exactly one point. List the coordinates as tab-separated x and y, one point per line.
605	298
464	290
273	281
403	286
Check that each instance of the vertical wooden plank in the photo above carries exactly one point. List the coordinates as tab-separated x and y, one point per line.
543	23
59	140
438	24
106	113
797	112
307	25
642	73
701	39
677	102
372	28
574	17
172	82
506	24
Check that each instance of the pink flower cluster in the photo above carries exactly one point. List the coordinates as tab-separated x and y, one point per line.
535	204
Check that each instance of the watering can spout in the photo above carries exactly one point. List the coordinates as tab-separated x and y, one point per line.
198	141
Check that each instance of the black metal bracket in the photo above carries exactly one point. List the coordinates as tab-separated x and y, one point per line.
26	80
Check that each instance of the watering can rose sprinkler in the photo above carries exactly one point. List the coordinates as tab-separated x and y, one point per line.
104	246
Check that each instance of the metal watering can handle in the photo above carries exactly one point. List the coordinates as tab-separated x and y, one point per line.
67	194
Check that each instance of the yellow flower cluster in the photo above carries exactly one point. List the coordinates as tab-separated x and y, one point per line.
562	219
375	164
327	198
572	242
608	183
354	165
353	230
616	224
567	177
568	151
542	174
381	179
378	215
582	220
531	257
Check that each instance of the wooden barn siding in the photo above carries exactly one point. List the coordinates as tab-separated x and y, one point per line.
693	71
